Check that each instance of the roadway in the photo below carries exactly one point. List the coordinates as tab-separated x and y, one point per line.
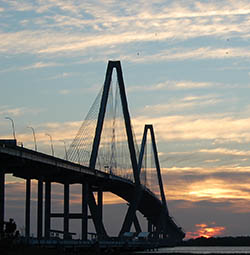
25	163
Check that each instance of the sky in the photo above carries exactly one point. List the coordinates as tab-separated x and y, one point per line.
186	71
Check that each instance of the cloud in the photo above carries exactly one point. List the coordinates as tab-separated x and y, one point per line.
218	184
60	133
206	230
111	27
218	189
39	65
172	10
176	105
225	151
18	111
20	5
172	85
218	127
13	111
211	213
64	92
49	42
209	158
204	155
180	54
210	144
61	76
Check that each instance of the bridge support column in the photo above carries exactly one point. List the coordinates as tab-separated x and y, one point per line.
2	189
85	191
137	225
47	208
66	211
40	209
99	227
150	226
99	205
27	208
131	212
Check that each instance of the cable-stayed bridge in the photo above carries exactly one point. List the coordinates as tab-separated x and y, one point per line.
103	157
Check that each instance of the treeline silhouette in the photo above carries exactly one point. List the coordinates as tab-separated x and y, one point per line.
218	241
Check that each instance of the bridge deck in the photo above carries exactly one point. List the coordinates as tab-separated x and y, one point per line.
26	163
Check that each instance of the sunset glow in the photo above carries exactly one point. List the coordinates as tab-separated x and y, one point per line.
205	230
186	71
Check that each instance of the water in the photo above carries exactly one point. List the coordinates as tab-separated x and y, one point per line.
205	250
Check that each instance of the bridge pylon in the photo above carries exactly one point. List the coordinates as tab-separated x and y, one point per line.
159	223
162	222
130	216
123	177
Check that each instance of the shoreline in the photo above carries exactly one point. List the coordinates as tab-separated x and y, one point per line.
59	251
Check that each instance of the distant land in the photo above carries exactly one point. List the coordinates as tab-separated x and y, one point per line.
218	241
17	249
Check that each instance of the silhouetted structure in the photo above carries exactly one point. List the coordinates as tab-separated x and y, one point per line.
218	241
101	159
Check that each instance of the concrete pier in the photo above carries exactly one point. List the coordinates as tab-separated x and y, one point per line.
66	211
2	191
27	208
40	209
85	188
47	208
100	205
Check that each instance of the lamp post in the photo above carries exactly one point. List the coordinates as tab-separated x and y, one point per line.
34	136
65	149
51	143
13	126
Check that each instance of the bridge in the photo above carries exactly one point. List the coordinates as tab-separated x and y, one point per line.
103	157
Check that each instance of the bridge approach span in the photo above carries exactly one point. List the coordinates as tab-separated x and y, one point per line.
28	164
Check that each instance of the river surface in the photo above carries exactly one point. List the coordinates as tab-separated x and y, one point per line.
205	250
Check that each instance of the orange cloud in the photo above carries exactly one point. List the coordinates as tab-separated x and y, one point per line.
204	230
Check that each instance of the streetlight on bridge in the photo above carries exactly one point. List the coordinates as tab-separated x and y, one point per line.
34	136
65	149
13	126
51	143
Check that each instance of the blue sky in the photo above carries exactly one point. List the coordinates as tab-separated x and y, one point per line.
186	70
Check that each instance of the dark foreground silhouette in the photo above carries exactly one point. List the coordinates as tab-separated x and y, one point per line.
15	248
218	241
